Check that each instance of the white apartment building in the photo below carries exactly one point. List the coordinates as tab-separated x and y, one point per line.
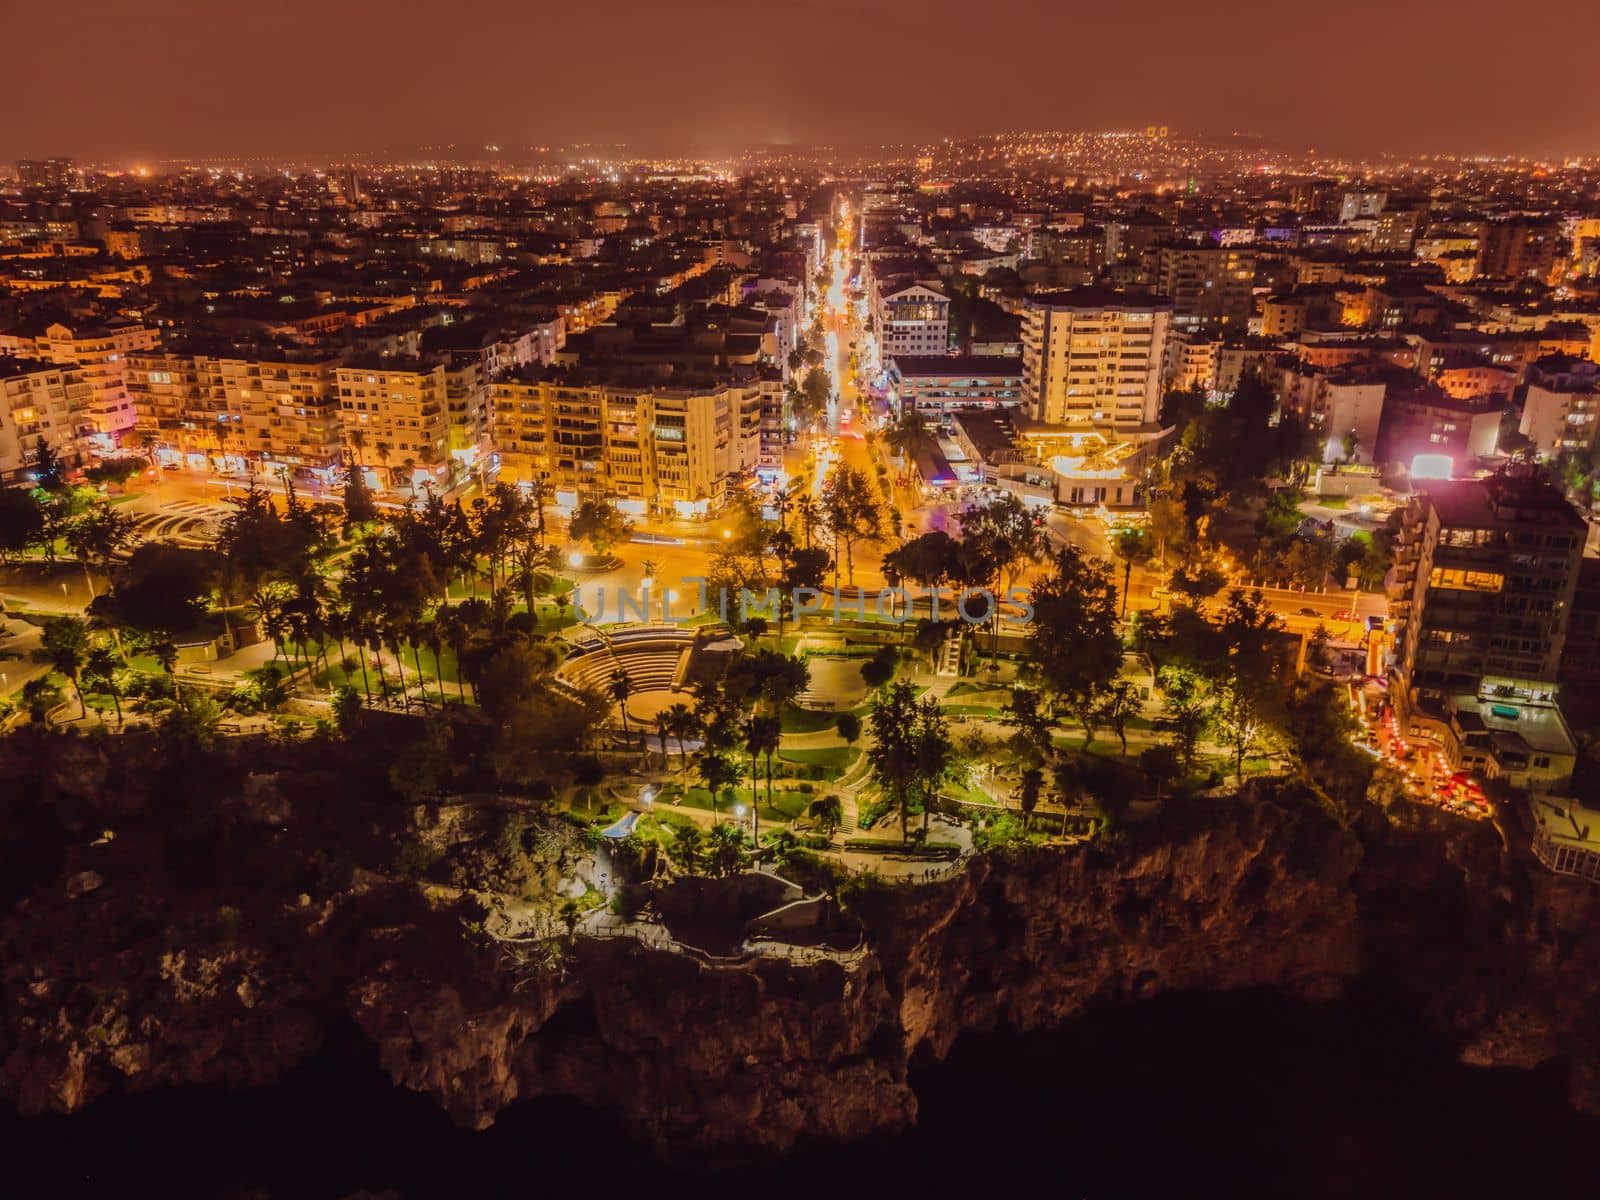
396	419
911	320
650	448
101	354
40	400
1094	358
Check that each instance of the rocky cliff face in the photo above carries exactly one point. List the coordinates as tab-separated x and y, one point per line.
121	981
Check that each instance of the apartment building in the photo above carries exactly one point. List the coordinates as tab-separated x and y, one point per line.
100	352
1481	596
1191	361
1344	406
396	419
56	174
40	401
937	385
651	446
1561	411
1093	358
271	411
914	319
1207	283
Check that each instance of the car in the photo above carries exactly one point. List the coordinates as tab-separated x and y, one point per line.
1161	593
1309	612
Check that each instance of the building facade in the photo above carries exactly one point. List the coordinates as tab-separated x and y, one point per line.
1094	358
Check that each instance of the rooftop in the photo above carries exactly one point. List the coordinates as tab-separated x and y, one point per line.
1100	297
957	364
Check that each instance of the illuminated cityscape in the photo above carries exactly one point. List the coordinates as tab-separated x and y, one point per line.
705	649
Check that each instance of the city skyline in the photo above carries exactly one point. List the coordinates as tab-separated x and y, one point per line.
173	80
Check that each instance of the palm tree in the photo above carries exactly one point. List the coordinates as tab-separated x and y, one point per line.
1131	546
66	642
621	687
908	436
682	723
101	666
761	737
827	811
809	513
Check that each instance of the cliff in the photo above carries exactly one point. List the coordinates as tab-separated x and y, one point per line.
122	975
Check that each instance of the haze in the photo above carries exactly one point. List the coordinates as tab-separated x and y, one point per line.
173	78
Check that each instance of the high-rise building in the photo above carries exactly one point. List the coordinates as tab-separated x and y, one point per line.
1561	411
1521	248
40	401
1359	206
56	174
911	320
1482	591
1093	358
1207	283
270	411
1396	230
101	352
396	418
650	447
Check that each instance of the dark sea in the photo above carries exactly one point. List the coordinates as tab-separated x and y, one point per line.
1247	1094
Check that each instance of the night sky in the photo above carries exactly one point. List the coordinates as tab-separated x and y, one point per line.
144	79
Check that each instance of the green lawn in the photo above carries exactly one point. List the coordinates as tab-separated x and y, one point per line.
806	720
786	805
838	757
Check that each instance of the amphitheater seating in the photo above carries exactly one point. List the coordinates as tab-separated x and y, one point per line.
648	655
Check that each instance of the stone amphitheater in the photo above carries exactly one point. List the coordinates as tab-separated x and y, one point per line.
659	660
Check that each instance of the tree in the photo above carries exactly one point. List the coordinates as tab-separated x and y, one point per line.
1130	546
599	523
848	726
724	850
816	389
999	541
680	721
1073	638
40	696
853	510
934	753
1025	713
117	471
1029	788
102	670
1169	526
161	587
1184	698
1118	704
360	506
827	812
718	771
21	522
892	754
1237	717
66	643
46	467
908	436
762	735
96	536
1317	647
1160	766
346	706
879	669
619	689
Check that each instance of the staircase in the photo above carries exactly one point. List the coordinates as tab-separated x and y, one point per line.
949	664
